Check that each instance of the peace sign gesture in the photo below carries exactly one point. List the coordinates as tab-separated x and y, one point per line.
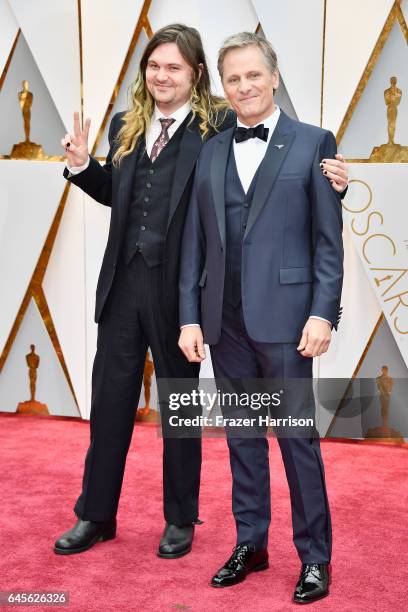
76	147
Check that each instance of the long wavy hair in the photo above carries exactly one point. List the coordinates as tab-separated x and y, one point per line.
209	108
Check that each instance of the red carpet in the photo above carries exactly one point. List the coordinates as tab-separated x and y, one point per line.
41	467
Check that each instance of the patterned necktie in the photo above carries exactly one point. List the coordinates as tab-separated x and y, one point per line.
162	140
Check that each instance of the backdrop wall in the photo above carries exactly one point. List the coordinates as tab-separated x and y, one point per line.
336	60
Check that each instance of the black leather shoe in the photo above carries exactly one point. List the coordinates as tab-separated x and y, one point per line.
244	560
176	541
313	583
84	535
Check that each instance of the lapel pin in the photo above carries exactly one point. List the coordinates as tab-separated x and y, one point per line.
279	146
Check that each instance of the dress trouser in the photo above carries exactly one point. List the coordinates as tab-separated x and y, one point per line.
132	320
237	356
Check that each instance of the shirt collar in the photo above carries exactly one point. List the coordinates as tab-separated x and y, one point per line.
270	122
179	115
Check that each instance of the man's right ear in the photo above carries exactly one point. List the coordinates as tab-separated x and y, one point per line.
276	78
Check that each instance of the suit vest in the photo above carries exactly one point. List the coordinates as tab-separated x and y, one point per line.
237	207
148	212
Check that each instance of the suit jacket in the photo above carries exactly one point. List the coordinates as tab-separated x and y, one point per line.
112	187
292	251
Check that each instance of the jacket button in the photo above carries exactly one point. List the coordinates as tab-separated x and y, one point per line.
148	185
143	228
151	171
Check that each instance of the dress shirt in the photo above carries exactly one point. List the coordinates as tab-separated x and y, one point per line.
248	155
155	127
153	131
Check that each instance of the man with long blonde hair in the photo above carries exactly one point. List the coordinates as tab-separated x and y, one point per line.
146	181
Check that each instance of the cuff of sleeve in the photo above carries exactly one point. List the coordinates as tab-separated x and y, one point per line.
189	325
321	319
78	169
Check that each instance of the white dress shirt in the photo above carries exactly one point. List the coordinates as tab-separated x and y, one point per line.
153	131
155	126
248	155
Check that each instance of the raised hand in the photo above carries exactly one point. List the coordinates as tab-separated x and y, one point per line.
76	146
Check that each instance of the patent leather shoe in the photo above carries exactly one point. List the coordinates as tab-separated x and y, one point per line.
313	583
244	560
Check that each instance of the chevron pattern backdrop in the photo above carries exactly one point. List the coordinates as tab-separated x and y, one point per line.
336	60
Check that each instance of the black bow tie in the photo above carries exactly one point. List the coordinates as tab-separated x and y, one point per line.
259	131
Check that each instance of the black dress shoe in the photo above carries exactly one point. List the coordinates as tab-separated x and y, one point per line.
176	541
313	583
244	560
84	535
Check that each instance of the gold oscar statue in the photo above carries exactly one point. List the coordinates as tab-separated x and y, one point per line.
146	414
25	98
391	152
392	97
28	149
32	406
384	432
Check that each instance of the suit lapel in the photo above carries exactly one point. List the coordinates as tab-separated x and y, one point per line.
279	145
218	172
190	147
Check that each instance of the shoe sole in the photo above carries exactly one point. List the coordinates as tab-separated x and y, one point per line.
73	551
174	555
257	568
309	601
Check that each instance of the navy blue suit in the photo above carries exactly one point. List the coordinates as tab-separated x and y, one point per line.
292	244
254	267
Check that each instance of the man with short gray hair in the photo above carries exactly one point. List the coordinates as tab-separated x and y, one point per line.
260	282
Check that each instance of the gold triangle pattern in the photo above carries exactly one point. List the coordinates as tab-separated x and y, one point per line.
10	57
35	289
395	15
